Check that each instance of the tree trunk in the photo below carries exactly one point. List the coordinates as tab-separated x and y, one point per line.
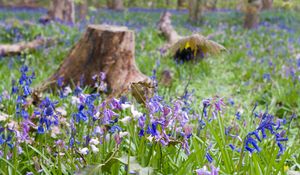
195	10
168	3
63	10
252	14
180	4
132	3
213	5
115	4
267	4
107	49
83	9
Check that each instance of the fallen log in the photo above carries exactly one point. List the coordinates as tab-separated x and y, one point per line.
109	50
18	48
185	48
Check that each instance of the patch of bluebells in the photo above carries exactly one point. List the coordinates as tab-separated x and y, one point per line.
267	124
6	136
166	124
47	115
22	90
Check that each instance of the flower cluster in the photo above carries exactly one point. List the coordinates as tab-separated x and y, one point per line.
23	90
266	124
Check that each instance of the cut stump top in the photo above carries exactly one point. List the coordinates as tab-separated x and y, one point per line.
109	28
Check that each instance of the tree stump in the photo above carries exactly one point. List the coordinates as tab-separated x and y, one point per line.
83	9
267	4
115	4
252	13
195	10
109	50
180	4
63	10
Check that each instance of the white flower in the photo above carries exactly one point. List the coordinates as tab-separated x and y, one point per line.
94	149
98	130
75	100
125	106
125	120
67	91
84	151
54	131
62	111
136	114
123	134
97	115
3	116
94	141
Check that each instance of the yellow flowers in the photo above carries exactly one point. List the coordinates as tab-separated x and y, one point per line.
286	167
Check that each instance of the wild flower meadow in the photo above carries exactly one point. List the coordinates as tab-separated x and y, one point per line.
236	113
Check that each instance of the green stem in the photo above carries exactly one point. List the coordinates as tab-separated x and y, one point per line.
128	158
241	157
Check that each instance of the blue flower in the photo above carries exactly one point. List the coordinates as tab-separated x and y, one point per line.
41	129
251	144
151	129
141	133
46	114
208	157
115	128
238	115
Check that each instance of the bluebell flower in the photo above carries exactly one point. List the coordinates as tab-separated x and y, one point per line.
77	91
115	104
41	129
115	128
60	81
80	115
142	132
232	146
46	114
281	148
267	76
238	115
6	137
230	101
208	157
255	133
24	114
251	144
151	129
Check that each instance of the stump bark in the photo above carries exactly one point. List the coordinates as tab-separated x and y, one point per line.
106	49
63	10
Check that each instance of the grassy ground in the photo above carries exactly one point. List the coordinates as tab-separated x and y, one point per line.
261	67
